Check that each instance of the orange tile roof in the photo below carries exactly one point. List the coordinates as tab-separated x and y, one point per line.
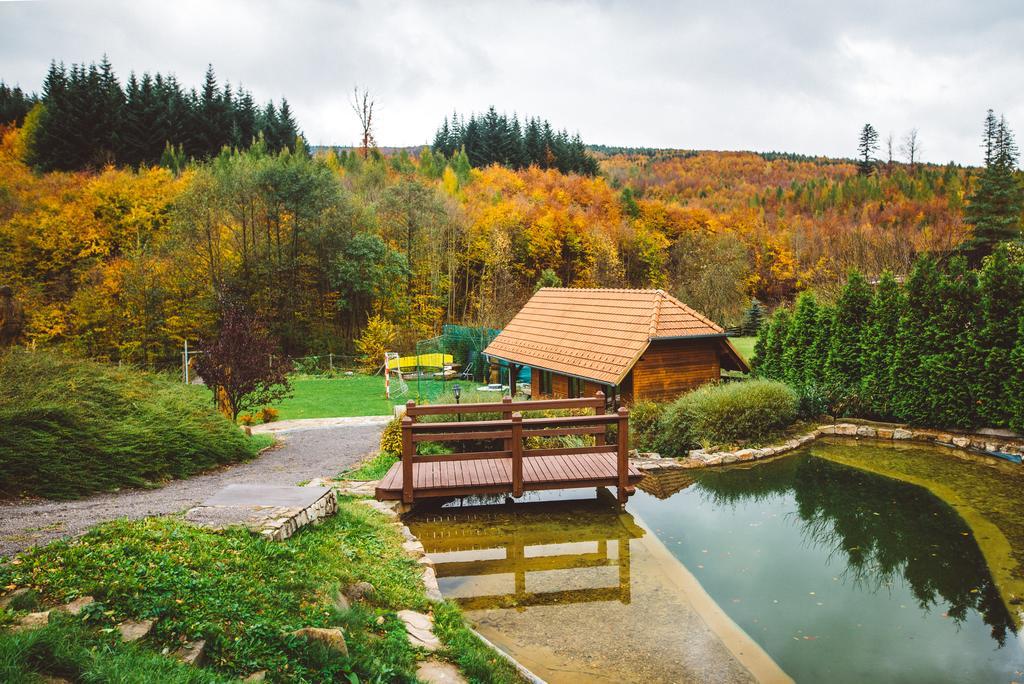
594	333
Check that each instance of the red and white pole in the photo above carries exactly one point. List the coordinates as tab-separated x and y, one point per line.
387	378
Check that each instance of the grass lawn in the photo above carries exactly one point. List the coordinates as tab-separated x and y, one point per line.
241	593
745	346
351	395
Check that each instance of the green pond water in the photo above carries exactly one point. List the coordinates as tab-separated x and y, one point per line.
845	562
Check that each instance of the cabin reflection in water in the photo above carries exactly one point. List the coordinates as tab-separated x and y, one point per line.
533	553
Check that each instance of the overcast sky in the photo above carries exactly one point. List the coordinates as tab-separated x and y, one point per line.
791	76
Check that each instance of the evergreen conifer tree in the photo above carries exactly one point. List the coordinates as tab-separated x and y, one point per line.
997	201
880	344
843	371
1002	304
956	360
753	317
917	349
1015	381
799	340
866	149
771	346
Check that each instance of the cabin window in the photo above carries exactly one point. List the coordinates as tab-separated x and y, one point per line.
575	388
545	382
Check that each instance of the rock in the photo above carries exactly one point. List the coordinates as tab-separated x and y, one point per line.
135	630
75	607
714	459
420	629
866	431
730	458
900	433
340	601
407	533
31	621
848	429
437	672
431	586
827	429
766	452
191	653
744	454
360	591
650	455
884	433
257	676
414	548
10	596
962	442
633	453
944	438
332	638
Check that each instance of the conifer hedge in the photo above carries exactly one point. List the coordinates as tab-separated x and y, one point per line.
945	348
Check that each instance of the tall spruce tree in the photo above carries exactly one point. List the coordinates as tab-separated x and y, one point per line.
817	359
956	358
1002	305
880	343
919	329
997	201
1015	381
867	147
771	346
843	370
800	340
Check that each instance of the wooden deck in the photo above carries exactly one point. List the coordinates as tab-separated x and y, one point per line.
494	475
502	464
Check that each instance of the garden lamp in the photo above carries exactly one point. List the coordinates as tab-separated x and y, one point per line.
457	391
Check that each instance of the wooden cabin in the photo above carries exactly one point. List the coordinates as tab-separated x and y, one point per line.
630	344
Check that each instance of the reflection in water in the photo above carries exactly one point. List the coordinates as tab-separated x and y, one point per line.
881	530
479	541
845	573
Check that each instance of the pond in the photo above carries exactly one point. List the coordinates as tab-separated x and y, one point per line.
843	562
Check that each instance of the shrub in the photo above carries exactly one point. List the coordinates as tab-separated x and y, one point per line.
644	419
727	414
377	338
246	419
73	427
391	438
269	415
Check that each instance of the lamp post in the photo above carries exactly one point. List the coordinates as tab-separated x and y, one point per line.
457	391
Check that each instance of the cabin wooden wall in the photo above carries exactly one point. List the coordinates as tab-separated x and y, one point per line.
671	367
559	386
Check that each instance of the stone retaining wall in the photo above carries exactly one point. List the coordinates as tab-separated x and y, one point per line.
1007	449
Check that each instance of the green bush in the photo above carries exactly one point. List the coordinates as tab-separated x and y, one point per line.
269	415
391	438
724	414
644	419
72	427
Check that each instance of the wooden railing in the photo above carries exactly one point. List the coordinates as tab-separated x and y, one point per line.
512	429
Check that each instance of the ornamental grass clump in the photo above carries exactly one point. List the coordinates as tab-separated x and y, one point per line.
727	414
70	427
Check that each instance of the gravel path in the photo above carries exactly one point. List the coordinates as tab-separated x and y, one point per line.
300	455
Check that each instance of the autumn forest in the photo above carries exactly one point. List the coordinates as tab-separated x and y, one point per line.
125	251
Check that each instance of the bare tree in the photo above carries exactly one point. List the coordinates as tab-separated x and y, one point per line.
890	141
363	104
911	147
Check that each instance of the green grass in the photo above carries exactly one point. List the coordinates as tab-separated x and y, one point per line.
351	395
242	594
72	428
745	346
374	469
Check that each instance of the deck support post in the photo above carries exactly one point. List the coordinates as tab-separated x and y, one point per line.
506	414
600	439
623	455
407	452
517	454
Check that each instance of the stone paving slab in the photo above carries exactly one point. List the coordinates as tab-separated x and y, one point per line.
276	512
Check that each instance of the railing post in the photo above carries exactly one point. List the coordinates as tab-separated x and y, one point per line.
517	454
506	414
600	439
623	455
407	452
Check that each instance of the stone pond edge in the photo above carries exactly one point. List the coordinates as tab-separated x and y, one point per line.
1006	449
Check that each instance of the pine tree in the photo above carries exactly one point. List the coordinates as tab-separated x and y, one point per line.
996	204
799	340
1015	381
916	354
771	346
753	317
956	360
880	345
843	371
817	358
867	147
1002	304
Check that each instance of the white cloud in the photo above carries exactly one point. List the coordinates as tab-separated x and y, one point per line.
798	76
